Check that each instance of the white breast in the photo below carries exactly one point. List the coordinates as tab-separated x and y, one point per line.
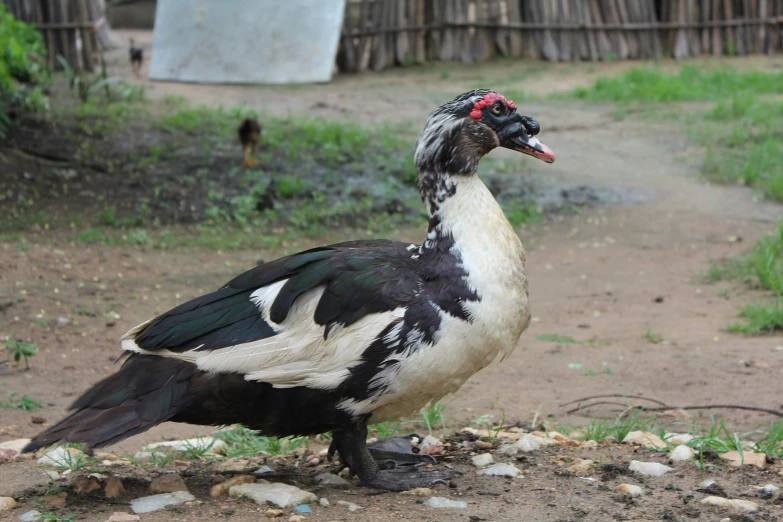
494	259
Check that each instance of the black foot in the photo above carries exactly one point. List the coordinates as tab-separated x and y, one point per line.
351	444
398	451
403	481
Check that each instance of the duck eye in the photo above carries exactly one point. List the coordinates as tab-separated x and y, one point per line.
496	110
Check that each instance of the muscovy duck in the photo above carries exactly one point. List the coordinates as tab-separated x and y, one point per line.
249	132
136	58
339	336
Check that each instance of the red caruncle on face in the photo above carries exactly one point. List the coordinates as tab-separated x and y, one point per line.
486	101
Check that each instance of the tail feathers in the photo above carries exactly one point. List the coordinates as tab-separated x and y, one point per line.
146	391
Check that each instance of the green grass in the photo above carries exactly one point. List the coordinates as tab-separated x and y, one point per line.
692	83
241	441
24	402
652	336
555	338
433	416
743	132
760	319
20	350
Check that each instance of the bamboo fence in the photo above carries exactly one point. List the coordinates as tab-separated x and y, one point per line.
381	33
73	29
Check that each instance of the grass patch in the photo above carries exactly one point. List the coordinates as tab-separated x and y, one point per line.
743	132
760	319
24	402
652	336
691	83
242	441
555	338
20	350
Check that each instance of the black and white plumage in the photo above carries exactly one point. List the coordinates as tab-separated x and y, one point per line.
336	337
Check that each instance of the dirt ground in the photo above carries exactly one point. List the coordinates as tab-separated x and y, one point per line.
605	276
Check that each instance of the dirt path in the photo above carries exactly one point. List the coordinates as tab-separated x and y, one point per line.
604	276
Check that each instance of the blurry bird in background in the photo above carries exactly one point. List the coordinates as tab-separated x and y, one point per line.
136	58
249	133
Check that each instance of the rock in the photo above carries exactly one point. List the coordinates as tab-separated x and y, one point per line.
485	459
222	488
83	485
583	466
644	439
61	457
678	438
430	446
303	508
748	458
418	492
55	501
7	503
324	502
525	443
482	444
296	518
37	419
769	489
14	445
114	488
500	470
313	462
210	444
440	503
7	454
156	502
707	483
331	480
52	474
630	489
562	439
590	444
652	469
119	516
281	495
30	516
168	483
350	505
740	506
274	513
681	453
262	470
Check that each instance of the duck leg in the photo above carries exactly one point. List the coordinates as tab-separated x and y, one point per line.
248	162
352	445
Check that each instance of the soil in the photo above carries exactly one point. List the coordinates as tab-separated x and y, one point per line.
627	263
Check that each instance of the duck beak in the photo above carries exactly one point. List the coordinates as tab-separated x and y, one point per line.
530	145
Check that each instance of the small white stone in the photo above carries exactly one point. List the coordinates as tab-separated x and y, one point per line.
485	459
30	516
707	483
281	495
769	489
324	502
350	505
681	453
678	438
741	506
16	444
525	443
7	503
645	439
210	444
430	445
440	503
53	475
652	469
500	470
156	502
61	457
630	489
